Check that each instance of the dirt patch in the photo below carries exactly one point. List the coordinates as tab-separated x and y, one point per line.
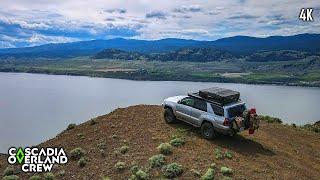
234	75
275	151
115	70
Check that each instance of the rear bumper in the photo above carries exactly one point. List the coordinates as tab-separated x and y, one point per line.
223	129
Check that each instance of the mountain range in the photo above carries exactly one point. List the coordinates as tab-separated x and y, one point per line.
237	45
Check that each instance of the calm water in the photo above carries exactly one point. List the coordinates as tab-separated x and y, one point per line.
34	107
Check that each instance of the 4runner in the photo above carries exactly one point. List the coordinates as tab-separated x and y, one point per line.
215	110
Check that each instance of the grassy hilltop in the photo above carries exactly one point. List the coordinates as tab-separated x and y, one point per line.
136	143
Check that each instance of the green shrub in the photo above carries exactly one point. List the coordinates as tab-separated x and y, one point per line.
270	119
177	142
8	171
80	135
157	160
225	170
172	170
77	153
61	173
213	165
35	177
209	175
228	155
71	126
134	169
218	153
49	176
141	175
165	148
124	149
181	131
82	162
226	178
195	173
10	177
120	165
106	178
93	121
311	127
101	145
102	152
125	142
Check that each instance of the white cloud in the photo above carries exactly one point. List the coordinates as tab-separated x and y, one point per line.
207	20
4	44
41	39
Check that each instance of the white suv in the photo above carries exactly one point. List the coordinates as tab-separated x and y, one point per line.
212	116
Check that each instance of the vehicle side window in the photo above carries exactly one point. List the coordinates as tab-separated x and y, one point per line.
200	104
187	101
218	110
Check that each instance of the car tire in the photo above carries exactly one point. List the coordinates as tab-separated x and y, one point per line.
169	117
232	133
207	130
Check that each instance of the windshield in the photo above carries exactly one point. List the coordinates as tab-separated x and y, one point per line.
236	110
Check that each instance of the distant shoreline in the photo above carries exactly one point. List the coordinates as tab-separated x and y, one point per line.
128	77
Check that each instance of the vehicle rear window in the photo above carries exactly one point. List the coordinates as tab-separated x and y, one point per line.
236	110
218	110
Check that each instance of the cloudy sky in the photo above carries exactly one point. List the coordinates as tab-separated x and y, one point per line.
35	22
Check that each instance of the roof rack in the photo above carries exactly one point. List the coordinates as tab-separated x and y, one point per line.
218	96
196	95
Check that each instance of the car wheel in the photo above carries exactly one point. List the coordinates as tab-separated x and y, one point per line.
207	130
232	133
169	117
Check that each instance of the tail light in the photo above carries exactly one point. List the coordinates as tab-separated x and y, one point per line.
226	122
252	111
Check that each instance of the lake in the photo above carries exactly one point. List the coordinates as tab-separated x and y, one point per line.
36	107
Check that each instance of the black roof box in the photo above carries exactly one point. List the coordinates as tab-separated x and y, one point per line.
220	95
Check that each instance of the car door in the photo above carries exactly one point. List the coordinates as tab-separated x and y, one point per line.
184	108
199	108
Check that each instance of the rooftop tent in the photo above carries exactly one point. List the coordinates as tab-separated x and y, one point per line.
220	95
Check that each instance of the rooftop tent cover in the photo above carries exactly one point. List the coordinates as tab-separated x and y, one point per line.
220	95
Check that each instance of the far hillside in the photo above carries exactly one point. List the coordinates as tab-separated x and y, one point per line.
205	55
239	45
183	54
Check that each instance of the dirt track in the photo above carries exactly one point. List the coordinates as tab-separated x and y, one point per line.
274	152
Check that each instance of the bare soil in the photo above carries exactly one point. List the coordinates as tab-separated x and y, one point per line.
116	70
275	151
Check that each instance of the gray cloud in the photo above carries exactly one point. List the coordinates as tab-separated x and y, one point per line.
187	9
157	15
110	19
244	16
117	10
186	16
